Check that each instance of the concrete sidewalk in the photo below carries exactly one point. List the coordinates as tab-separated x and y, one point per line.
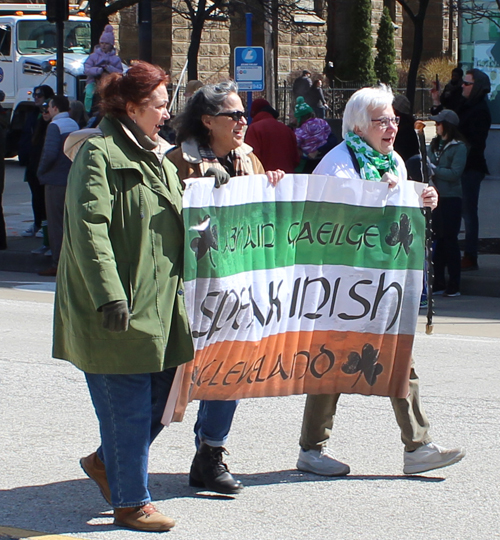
19	216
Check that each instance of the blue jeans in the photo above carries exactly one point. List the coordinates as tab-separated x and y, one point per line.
214	422
471	184
129	409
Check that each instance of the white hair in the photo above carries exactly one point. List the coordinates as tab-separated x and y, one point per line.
358	109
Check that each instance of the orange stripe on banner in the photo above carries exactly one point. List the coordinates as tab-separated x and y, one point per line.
319	362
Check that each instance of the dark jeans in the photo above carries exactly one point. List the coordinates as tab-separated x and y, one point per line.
471	184
446	220
214	422
3	230
37	198
129	409
54	206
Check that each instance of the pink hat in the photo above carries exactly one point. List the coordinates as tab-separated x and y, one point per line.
107	36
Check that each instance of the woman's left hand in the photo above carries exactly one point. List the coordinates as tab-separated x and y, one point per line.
430	197
391	179
275	176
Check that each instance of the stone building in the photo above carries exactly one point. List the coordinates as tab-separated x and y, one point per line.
317	35
301	45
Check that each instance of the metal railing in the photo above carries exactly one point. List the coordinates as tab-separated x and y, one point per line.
336	99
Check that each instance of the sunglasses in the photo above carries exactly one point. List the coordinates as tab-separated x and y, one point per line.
235	116
467	83
38	94
45	107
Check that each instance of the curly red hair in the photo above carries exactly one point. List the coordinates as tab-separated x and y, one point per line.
135	86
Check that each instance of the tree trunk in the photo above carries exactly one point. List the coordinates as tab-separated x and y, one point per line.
418	42
194	48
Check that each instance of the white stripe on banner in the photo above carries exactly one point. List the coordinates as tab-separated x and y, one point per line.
252	305
302	187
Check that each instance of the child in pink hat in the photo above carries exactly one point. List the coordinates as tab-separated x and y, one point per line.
103	60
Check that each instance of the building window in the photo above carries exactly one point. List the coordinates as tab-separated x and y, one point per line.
480	48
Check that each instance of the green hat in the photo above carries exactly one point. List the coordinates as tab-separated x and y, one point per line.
302	108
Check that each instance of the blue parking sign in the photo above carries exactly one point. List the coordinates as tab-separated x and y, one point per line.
249	68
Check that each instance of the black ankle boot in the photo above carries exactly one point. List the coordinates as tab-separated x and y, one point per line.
210	472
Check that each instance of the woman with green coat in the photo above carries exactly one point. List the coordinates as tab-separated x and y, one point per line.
120	314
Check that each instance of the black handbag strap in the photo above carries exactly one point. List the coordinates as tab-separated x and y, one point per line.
355	163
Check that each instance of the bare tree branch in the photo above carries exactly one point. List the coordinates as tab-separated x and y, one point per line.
408	10
476	11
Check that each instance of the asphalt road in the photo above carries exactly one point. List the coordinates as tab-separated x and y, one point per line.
47	423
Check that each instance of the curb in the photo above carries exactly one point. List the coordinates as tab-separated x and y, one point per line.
18	257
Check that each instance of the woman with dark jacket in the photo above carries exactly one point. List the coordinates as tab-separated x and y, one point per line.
316	99
448	154
475	122
210	136
30	152
119	312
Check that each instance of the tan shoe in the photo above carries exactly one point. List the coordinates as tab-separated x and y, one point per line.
142	518
95	470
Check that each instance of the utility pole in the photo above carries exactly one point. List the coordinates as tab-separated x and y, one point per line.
58	12
145	22
269	55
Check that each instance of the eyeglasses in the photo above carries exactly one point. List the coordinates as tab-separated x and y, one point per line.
385	121
235	116
467	83
45	107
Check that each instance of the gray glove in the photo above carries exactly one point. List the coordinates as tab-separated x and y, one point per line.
221	177
115	316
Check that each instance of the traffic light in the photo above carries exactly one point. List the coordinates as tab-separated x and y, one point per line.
57	10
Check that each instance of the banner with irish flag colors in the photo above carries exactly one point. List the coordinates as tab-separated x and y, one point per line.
312	286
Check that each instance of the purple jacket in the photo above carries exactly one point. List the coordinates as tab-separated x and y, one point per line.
98	60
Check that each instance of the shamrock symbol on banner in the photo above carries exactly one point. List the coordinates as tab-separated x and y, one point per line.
207	240
366	364
401	234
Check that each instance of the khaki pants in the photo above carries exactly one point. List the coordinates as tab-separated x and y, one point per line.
319	414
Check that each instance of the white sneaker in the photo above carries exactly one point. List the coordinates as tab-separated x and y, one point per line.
39	234
429	457
321	462
40	251
30	231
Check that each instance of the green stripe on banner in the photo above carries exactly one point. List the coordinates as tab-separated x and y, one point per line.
233	239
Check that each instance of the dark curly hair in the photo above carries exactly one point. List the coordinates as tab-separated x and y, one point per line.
207	100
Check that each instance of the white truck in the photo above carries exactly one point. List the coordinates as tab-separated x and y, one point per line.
28	58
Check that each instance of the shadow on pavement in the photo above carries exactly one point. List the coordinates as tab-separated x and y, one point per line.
75	506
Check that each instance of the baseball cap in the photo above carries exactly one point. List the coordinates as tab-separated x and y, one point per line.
447	115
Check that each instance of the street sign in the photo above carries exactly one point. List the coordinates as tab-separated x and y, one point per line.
249	68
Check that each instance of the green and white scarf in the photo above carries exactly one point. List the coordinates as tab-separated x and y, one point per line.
372	164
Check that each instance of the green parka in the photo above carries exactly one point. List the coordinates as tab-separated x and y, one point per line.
123	240
449	167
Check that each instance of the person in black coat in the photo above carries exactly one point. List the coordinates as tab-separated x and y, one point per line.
406	143
30	150
451	97
475	122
